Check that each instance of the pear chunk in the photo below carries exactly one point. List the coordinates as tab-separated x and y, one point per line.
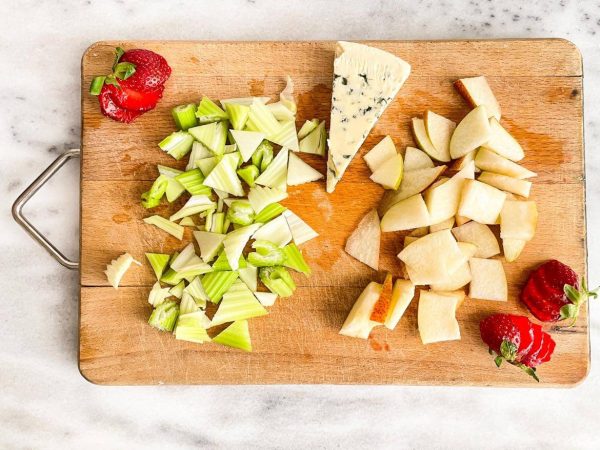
501	142
479	235
488	280
518	220
406	215
358	324
415	159
437	316
461	276
476	91
383	151
512	248
492	162
445	225
389	173
443	200
439	130
472	132
461	163
505	183
480	202
402	295
424	143
363	243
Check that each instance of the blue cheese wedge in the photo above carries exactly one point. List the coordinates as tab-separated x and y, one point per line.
365	81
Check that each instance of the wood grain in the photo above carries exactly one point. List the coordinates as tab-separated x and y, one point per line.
539	86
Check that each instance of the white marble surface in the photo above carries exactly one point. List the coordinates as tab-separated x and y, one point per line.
45	403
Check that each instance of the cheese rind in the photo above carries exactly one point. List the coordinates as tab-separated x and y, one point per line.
365	81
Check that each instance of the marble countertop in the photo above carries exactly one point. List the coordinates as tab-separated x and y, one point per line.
45	403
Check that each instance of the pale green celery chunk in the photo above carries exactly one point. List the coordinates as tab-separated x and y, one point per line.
184	116
210	244
158	262
196	290
247	142
267	254
188	261
220	205
224	176
275	174
295	260
221	194
187	222
177	290
278	280
226	225
240	212
300	172
287	136
315	142
209	219
235	241
152	197
192	181
215	284
235	335
217	223
287	96
247	101
263	155
249	174
187	304
281	112
238	115
168	172
301	231
177	144
261	117
276	231
174	188
249	275
266	298
206	165
164	316
269	212
261	197
191	327
158	294
308	126
195	205
238	304
221	263
199	151
208	112
166	225
212	135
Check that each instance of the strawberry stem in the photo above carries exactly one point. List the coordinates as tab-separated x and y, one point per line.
577	298
120	70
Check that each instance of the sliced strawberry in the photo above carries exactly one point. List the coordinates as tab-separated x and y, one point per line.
526	333
530	359
110	108
535	298
549	346
139	101
556	274
151	70
502	337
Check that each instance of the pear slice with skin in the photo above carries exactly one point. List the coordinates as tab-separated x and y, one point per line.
476	91
424	143
389	174
501	142
490	161
363	244
379	154
402	295
415	159
358	324
472	132
512	248
439	130
405	215
506	183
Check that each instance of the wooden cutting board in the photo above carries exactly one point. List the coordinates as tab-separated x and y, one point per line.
539	86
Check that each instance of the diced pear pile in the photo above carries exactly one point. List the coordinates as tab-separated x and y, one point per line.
461	182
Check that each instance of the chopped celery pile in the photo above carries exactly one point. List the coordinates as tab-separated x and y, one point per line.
236	173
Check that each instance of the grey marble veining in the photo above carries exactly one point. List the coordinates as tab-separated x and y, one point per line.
45	403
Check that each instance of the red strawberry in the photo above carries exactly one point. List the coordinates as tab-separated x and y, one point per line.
526	331
110	108
138	101
151	70
530	359
549	346
502	337
552	292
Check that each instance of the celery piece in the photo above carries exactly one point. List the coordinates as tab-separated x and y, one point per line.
184	116
226	225
206	165
164	316
238	115
240	212
173	257
177	144
168	172
171	277
191	327
212	135
286	137
301	231
174	188
276	231
281	112
209	219
166	225
158	294
263	155
219	205
308	126
246	101
217	223
275	257
177	290
235	242
152	197
315	141
196	290
247	142
188	261
299	172
269	212
261	117
286	97
276	173
238	304
158	262
187	304
221	263
224	176
199	151
208	112
266	298
278	280
210	244
192	181
235	335
250	126
195	205
230	148
187	222
261	197
249	275
221	194
248	174
215	284
295	260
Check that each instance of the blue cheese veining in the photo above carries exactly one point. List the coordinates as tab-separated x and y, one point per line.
365	81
